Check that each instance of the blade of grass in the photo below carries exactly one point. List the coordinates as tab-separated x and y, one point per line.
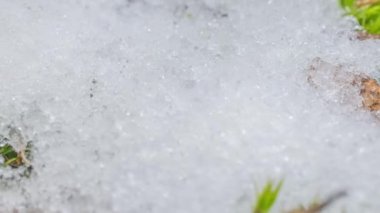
10	161
267	197
367	13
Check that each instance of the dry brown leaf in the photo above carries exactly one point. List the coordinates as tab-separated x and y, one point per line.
371	94
364	36
362	3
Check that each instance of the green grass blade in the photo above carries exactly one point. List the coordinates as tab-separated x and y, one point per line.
347	5
10	161
267	197
367	16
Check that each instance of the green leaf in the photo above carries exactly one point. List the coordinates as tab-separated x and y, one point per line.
347	5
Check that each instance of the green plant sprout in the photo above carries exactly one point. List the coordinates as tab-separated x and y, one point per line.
15	154
267	197
366	12
13	158
9	154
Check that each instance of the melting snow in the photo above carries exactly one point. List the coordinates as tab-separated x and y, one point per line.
182	106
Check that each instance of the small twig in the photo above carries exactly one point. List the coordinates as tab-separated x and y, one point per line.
329	201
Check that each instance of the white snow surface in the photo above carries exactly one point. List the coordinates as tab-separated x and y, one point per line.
183	106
